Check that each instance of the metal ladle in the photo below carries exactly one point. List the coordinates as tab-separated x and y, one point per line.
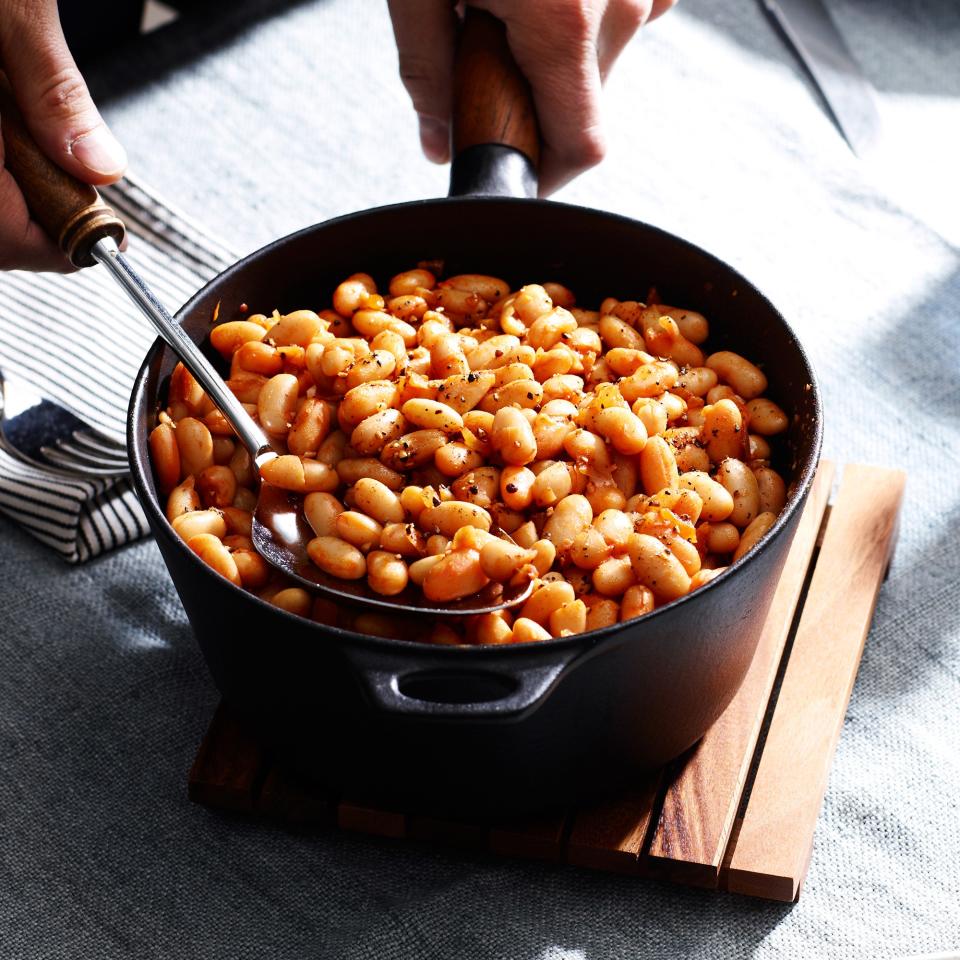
88	232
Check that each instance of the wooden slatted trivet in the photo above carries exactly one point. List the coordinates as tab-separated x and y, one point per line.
730	815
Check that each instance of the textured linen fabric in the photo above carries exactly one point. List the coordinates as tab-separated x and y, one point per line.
258	128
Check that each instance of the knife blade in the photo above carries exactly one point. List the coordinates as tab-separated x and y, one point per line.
820	47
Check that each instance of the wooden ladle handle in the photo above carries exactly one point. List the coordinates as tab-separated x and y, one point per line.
70	211
494	122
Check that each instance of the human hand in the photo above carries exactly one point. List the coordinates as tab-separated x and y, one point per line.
565	48
62	118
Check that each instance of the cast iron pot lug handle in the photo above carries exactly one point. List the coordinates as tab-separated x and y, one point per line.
495	137
509	690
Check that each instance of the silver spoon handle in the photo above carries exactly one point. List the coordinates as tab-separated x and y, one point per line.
105	251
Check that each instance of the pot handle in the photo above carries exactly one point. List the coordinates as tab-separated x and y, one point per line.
446	690
495	137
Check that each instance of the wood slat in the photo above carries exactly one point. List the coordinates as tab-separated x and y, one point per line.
450	832
226	771
533	837
364	819
611	835
773	847
701	802
293	800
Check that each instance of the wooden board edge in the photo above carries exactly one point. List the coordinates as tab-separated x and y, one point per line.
705	872
753	878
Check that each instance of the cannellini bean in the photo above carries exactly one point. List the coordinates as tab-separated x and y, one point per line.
432	415
277	403
226	338
404	539
717	499
551	485
571	516
238	521
637	600
413	449
771	489
590	549
364	401
358	529
512	437
492	628
353	293
449	517
298	327
622	428
372	434
722	430
615	527
545	600
195	445
612	577
759	448
378	500
658	465
354	469
720	537
456	575
766	418
420	568
217	486
215	555
618	333
528	631
165	456
386	573
745	378
544	555
189	525
754	531
379	365
500	559
294	600
301	476
410	281
254	571
601	611
321	511
337	557
649	380
704	576
455	459
697	380
568	619
478	486
656	566
462	392
742	486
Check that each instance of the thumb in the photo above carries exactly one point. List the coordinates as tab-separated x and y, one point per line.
53	97
425	31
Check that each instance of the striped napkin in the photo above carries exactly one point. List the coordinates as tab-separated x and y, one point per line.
77	342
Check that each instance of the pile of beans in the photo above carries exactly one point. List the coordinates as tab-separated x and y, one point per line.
628	466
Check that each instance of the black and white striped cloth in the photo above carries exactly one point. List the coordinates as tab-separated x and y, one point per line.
77	341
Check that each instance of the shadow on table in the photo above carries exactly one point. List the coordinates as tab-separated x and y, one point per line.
201	29
895	43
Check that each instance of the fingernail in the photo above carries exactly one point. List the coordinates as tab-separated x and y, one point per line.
100	152
435	139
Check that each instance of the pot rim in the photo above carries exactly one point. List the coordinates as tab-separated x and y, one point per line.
802	483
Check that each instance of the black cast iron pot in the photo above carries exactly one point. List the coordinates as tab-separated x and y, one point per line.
456	730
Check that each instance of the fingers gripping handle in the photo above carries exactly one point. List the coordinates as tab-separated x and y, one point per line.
495	136
71	212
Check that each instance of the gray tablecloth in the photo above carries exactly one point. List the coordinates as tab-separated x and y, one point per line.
261	126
